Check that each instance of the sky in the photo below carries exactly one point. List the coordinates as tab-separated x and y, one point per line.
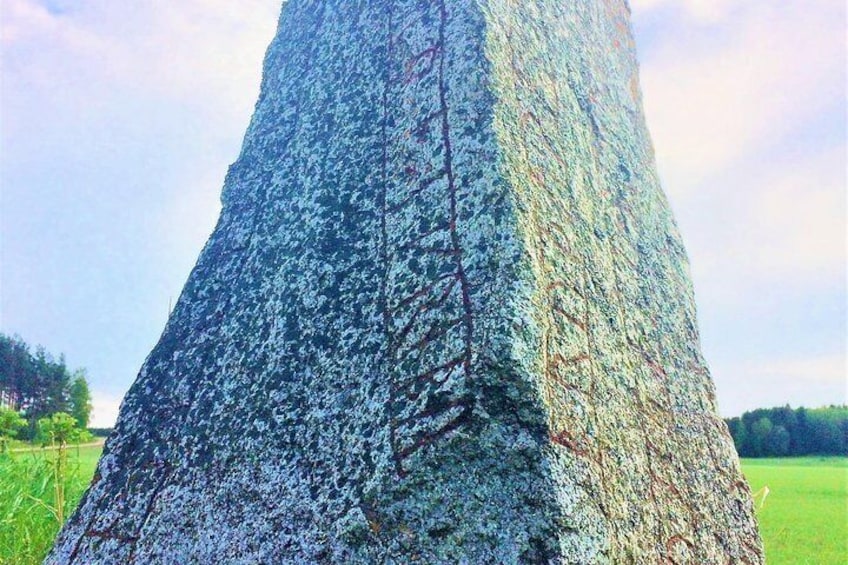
118	121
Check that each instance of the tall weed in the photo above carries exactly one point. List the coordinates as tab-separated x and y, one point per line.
33	503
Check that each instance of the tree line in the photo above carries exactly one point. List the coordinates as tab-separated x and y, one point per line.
786	432
35	384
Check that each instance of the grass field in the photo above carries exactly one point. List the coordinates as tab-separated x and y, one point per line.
28	520
804	519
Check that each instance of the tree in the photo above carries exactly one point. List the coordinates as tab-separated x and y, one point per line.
736	426
52	381
35	384
16	372
801	437
786	417
58	430
80	398
10	423
822	431
777	442
826	433
759	433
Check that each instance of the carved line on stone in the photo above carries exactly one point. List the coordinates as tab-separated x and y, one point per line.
526	120
398	349
428	305
460	269
422	186
423	292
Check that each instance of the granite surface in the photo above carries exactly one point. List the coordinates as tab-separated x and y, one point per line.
445	317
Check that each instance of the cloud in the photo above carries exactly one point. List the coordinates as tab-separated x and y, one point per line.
703	11
800	216
188	221
716	96
746	105
800	381
118	122
194	52
747	116
105	409
770	223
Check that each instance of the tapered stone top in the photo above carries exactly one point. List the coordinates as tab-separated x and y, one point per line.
445	317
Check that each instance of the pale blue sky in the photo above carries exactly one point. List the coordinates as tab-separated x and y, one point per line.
119	119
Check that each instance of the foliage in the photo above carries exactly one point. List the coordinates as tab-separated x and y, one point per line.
36	384
777	432
16	372
777	441
28	517
57	431
10	424
100	432
80	399
760	431
802	519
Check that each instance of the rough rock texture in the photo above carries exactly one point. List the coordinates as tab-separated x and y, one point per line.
445	317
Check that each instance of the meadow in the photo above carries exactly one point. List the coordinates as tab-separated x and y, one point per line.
803	519
29	519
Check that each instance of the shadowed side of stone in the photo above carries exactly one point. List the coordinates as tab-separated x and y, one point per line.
445	316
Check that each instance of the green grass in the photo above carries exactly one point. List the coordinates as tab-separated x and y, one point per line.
814	461
27	523
804	519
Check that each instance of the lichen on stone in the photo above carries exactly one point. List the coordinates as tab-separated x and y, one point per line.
445	317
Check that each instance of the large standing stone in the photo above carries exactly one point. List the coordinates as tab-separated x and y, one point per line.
445	317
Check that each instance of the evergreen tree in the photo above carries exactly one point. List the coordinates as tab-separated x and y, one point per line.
777	442
80	398
17	373
34	384
759	433
800	443
782	431
739	434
